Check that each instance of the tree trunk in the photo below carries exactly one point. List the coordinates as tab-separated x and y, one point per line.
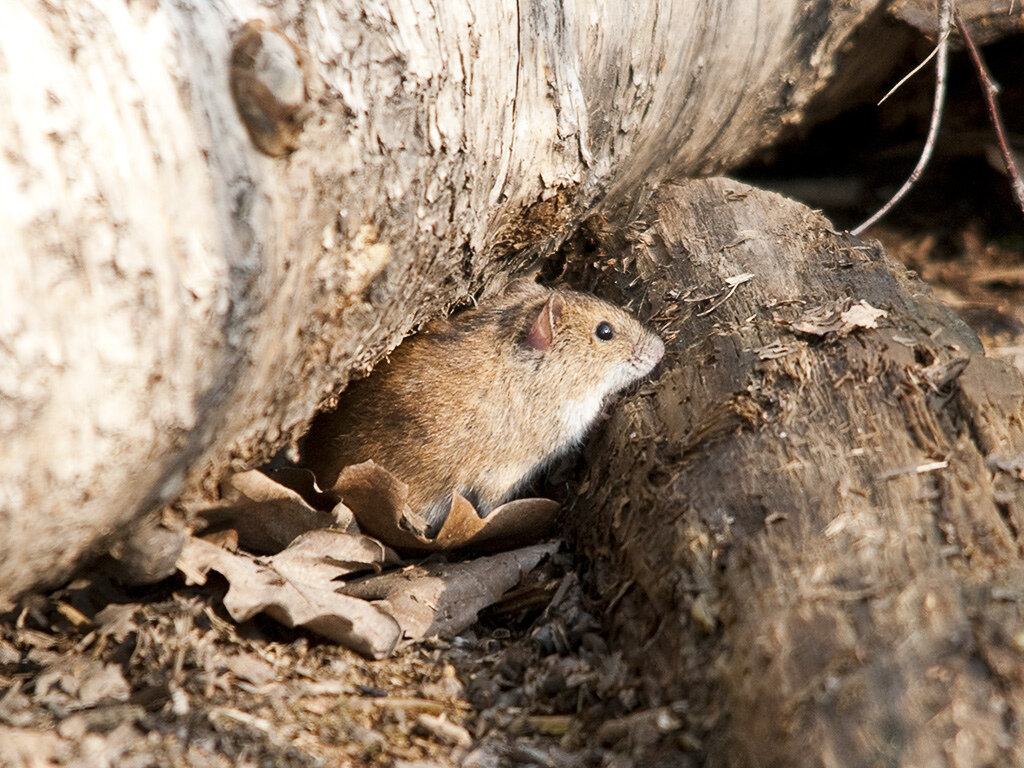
820	542
175	303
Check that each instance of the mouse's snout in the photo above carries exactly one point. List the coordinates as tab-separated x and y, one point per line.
657	348
649	352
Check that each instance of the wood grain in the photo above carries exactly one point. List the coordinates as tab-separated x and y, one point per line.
816	539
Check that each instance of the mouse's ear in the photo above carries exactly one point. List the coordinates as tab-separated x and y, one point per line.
542	333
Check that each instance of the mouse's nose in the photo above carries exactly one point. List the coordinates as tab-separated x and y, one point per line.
651	350
658	349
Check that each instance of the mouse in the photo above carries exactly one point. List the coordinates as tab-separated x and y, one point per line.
482	402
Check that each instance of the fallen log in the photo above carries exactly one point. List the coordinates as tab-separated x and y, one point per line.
181	294
817	537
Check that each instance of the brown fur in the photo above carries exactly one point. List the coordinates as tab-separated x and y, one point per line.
469	404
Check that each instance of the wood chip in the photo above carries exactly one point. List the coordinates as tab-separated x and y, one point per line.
441	729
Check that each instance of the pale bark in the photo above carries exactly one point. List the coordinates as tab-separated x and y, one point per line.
818	543
174	302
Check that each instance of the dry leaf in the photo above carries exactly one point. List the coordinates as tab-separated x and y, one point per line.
515	522
266	514
297	587
303	482
861	315
379	502
835	319
348	553
444	598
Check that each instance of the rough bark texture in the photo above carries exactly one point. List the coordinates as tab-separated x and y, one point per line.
820	542
175	303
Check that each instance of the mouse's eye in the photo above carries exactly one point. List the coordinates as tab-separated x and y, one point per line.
604	331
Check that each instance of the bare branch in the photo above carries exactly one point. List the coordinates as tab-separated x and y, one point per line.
941	65
991	90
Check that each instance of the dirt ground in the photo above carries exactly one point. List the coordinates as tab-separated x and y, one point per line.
94	675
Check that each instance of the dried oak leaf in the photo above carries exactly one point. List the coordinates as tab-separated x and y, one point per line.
445	598
267	515
297	587
379	501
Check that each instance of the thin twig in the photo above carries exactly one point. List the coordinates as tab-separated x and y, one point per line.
916	69
991	90
941	64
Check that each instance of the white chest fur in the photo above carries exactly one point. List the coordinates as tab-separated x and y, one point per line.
576	416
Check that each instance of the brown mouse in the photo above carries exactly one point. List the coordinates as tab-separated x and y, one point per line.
481	402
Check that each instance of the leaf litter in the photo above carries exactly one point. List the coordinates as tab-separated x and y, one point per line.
303	583
297	588
173	681
378	501
208	675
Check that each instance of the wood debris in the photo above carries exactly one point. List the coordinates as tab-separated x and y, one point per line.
838	318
